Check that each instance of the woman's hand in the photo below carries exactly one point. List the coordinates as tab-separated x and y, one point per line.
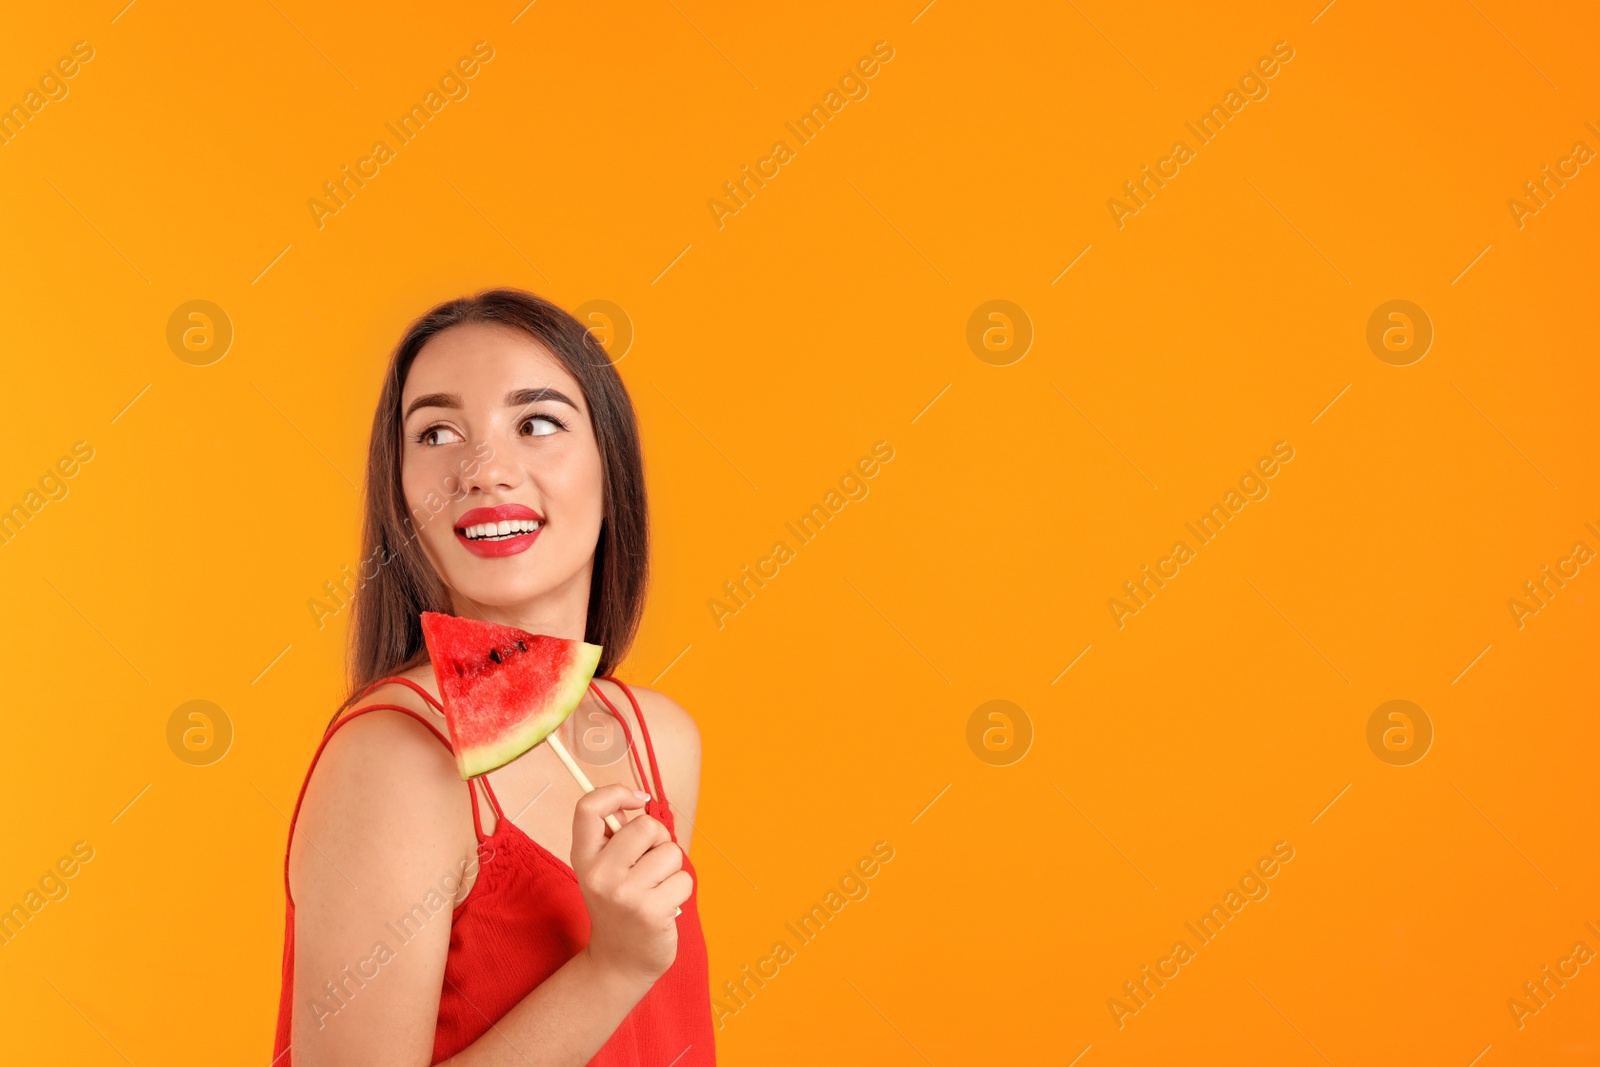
632	883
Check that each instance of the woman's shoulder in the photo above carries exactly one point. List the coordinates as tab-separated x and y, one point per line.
377	759
383	804
667	721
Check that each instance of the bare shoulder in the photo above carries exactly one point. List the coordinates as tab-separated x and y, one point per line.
669	723
381	771
392	752
389	738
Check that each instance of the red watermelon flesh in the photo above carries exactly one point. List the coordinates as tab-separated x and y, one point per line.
504	690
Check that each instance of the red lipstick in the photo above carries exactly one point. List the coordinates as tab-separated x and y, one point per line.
517	527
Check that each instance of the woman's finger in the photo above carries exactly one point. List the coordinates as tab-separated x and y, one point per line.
637	836
675	890
588	819
658	864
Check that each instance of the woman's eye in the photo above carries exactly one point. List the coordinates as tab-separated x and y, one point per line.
438	435
542	425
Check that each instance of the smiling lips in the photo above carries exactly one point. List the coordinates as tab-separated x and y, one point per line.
504	530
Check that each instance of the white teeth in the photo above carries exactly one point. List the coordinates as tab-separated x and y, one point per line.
496	530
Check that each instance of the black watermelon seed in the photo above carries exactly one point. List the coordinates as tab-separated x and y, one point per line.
494	654
520	646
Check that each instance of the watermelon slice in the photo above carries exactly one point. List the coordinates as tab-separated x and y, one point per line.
504	690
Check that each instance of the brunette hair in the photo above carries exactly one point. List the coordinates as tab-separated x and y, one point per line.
386	633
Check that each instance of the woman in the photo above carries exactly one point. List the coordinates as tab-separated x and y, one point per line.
497	921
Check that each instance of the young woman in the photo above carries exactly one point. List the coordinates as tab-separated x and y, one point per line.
498	921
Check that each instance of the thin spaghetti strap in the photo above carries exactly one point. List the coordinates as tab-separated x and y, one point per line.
627	734
423	693
477	821
655	768
494	801
443	740
328	736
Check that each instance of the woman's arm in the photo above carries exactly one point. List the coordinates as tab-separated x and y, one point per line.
379	828
382	848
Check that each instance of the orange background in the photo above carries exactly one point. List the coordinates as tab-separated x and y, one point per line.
770	355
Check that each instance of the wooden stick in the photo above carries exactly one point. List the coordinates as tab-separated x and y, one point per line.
581	778
583	781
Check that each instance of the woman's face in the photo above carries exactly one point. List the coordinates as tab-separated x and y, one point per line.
502	476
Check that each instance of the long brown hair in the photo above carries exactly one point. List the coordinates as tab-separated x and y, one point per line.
386	632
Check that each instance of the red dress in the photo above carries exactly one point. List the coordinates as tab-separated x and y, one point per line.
522	920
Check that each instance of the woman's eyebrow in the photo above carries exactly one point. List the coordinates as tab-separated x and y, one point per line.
515	398
433	400
523	397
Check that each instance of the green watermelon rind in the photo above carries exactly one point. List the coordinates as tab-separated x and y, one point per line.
481	759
